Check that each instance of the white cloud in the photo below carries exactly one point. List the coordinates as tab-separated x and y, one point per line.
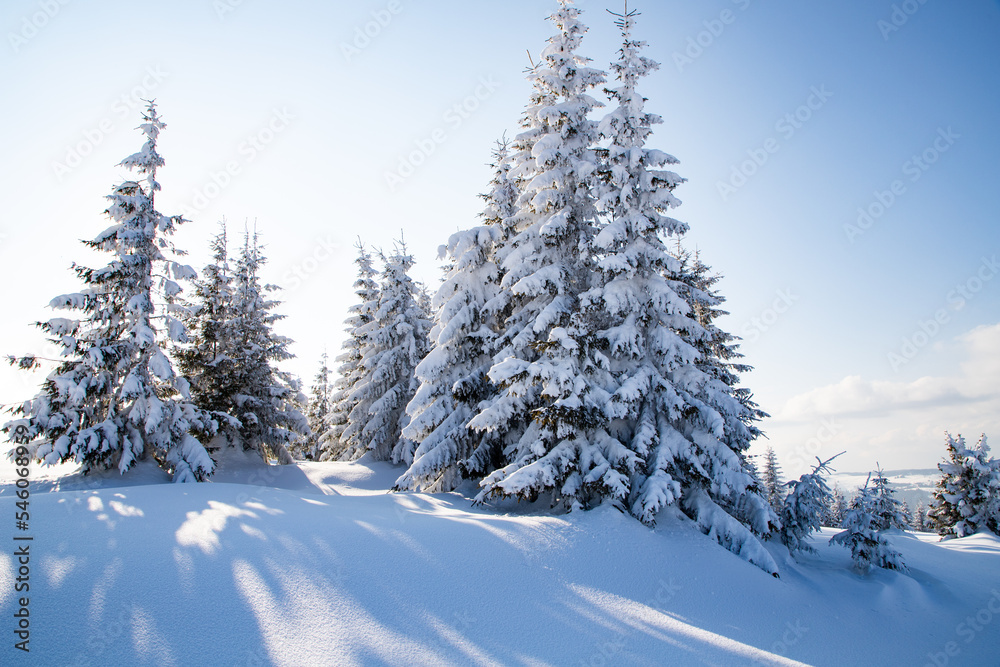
897	424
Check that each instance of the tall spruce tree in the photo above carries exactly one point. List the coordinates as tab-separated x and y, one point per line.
394	342
550	385
206	358
452	376
601	393
317	413
889	512
967	497
266	399
335	443
773	486
920	517
718	359
677	386
837	509
115	399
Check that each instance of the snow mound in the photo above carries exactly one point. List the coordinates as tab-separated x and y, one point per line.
316	564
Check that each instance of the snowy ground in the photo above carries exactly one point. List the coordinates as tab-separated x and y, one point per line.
316	565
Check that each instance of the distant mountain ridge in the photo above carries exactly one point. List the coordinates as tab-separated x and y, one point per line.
912	485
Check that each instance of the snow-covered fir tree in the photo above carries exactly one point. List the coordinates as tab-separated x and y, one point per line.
266	399
333	444
546	402
719	351
205	360
718	359
751	462
967	497
599	374
233	355
317	413
836	508
889	512
513	311
425	301
115	398
774	488
944	514
804	506
867	543
393	343
907	514
452	376
920	518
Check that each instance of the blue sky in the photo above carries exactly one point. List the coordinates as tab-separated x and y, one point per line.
280	113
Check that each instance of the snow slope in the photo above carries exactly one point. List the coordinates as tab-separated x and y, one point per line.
316	565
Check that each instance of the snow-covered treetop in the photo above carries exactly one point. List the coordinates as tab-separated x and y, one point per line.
564	72
629	68
147	160
133	207
501	200
571	31
637	190
561	73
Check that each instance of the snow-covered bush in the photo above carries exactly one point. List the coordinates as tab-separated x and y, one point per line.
889	512
862	535
803	507
967	497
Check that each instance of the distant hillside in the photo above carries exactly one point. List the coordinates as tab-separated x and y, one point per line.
912	486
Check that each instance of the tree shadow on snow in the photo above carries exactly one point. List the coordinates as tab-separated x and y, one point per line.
181	575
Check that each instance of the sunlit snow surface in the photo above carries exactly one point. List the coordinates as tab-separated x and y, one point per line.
317	564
